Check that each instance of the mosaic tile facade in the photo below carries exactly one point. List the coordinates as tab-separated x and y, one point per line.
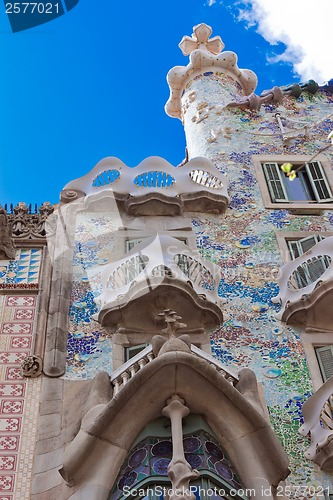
89	345
19	398
243	243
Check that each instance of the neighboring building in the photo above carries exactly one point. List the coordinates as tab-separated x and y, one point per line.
158	302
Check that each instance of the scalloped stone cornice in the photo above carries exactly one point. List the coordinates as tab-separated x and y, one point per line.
195	186
205	55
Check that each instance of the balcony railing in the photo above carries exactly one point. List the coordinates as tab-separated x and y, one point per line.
122	375
318	418
300	277
153	261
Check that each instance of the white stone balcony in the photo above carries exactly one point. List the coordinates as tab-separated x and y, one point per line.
155	187
318	422
160	273
306	288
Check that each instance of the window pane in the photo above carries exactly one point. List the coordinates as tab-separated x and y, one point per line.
325	360
318	181
275	186
132	351
297	189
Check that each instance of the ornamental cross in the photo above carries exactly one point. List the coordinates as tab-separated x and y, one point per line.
173	322
200	40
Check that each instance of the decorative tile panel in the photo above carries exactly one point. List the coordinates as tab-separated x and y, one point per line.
24	269
17	419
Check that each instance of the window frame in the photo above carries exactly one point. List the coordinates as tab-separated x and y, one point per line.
305	207
312	340
130	243
133	347
318	350
283	237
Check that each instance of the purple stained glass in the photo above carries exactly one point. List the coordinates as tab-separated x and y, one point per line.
226	462
213	450
224	471
160	467
162	449
137	457
234	482
194	460
191	444
127	479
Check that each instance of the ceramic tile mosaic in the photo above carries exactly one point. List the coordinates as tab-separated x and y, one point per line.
244	244
24	269
17	437
89	345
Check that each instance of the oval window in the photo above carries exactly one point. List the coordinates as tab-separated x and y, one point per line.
105	178
154	179
205	179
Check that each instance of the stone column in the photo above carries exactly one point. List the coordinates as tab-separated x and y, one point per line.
179	470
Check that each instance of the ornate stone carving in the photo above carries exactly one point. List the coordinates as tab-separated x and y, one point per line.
206	56
154	187
163	273
200	40
6	242
179	470
161	345
254	101
28	225
69	195
32	366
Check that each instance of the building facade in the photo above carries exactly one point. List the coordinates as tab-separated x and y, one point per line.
171	326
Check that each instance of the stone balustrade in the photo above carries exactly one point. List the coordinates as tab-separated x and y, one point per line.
120	377
124	373
225	371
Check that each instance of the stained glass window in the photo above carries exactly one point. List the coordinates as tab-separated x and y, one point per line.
146	468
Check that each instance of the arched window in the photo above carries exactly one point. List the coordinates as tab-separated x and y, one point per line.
144	474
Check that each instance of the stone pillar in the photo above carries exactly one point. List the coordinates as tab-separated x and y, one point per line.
179	470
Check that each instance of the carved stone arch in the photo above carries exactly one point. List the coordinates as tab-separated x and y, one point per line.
94	458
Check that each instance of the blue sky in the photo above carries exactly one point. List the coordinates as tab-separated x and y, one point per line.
92	83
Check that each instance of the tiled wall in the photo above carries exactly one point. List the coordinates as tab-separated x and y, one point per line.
89	347
244	244
19	397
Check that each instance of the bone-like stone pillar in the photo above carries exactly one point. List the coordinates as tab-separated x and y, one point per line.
179	470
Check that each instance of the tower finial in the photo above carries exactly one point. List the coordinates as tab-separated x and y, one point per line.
206	58
200	40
